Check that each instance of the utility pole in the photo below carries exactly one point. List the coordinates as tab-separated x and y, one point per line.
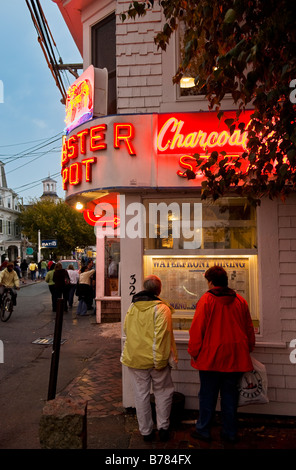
39	247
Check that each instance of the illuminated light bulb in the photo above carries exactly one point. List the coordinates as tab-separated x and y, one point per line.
79	206
187	82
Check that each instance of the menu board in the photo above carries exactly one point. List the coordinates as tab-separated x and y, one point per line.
183	281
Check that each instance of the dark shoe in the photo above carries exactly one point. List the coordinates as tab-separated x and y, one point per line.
196	435
149	437
231	439
164	434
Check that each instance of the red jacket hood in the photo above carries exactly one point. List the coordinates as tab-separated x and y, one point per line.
224	294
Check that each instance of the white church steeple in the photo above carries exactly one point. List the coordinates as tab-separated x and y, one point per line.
49	188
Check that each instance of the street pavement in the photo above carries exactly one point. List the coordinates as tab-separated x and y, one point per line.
113	429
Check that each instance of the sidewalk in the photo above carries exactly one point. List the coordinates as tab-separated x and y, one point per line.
28	282
110	426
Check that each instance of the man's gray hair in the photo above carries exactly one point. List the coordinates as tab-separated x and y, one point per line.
152	284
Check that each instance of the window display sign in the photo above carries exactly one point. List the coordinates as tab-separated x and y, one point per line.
183	281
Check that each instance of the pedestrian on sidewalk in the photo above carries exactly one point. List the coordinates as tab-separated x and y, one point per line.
74	278
17	269
33	268
24	270
43	267
148	347
84	290
221	338
62	281
51	286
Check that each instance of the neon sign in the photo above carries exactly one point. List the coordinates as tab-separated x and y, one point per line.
188	162
194	133
91	140
163	142
86	97
101	212
126	138
79	103
101	220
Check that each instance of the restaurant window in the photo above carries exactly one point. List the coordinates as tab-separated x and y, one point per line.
112	260
103	38
189	84
186	237
188	88
227	224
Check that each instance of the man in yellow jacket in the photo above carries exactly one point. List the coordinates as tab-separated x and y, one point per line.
9	278
148	352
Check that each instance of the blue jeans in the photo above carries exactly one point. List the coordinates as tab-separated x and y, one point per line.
72	290
211	383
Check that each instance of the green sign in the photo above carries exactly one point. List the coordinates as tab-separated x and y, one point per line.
29	251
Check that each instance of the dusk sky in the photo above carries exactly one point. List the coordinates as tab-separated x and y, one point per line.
31	114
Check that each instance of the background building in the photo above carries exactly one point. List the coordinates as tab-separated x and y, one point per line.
10	235
49	188
256	246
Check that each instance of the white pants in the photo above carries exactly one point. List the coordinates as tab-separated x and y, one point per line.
163	390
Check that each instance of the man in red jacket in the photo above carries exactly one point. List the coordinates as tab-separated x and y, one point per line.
221	338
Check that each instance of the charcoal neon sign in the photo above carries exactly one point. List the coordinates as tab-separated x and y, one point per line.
200	132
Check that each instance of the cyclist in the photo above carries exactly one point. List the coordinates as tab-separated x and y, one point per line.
9	278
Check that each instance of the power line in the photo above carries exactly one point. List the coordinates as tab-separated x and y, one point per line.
47	44
29	142
29	151
27	163
36	181
32	185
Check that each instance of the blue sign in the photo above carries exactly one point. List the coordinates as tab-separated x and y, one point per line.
49	243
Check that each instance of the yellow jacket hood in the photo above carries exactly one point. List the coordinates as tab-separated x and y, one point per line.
149	334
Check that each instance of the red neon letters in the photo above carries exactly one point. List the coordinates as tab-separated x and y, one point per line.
101	220
92	140
199	132
126	138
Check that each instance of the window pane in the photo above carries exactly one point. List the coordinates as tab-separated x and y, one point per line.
112	260
229	223
104	55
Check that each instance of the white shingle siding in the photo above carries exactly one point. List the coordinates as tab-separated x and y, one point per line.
285	382
139	63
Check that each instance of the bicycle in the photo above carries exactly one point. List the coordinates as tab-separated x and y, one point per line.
6	308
